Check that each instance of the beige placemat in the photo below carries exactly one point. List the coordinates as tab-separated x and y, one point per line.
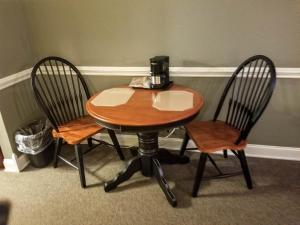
113	97
173	100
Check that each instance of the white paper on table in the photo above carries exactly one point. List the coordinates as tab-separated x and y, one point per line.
173	100
113	97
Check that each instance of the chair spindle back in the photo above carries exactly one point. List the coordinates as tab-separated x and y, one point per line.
59	89
248	92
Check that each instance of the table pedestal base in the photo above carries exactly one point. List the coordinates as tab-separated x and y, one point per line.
148	162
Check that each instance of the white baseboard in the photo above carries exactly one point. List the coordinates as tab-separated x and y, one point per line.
273	152
15	164
259	151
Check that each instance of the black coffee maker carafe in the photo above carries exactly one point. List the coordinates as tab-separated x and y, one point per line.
159	71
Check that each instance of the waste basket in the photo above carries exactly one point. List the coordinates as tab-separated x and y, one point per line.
35	140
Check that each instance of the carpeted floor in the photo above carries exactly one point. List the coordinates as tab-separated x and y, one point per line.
54	196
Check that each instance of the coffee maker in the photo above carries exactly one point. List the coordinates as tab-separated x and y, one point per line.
159	71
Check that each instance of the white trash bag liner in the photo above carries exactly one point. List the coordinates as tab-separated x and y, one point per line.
34	138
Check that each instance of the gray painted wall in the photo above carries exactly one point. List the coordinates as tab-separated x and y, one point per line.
16	103
129	32
191	32
15	49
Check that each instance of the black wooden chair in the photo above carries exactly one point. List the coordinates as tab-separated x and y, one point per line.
246	96
61	92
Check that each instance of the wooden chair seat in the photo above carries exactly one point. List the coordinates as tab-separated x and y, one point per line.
210	136
77	130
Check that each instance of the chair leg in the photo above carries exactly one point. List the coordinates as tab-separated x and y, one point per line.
57	151
116	143
225	153
79	159
184	144
214	164
244	165
90	142
199	174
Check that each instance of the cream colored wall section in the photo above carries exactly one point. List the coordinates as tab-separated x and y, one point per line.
191	32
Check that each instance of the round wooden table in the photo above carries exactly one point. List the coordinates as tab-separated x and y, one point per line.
146	112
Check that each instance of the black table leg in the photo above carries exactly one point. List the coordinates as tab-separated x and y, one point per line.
148	162
133	166
157	170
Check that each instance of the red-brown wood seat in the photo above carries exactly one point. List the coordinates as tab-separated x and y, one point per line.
212	136
76	131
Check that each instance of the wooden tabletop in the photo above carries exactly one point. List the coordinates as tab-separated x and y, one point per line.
139	112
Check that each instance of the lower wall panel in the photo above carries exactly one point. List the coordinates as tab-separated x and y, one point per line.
279	125
17	107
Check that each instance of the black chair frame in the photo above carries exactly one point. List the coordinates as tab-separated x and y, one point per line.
248	93
61	92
